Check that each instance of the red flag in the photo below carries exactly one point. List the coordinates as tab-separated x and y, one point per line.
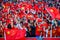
58	16
52	11
20	34
15	34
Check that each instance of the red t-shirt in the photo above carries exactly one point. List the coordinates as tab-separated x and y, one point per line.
38	30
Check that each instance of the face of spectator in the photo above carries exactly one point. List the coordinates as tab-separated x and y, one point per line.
23	26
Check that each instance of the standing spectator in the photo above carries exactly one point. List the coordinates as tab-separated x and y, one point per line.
32	26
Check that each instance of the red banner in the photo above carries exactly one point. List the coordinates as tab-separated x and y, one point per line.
15	34
52	11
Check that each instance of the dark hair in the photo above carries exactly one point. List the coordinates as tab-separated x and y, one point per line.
9	26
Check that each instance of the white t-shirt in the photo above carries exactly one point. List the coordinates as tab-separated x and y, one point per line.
19	26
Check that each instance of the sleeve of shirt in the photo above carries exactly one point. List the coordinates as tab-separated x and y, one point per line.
19	26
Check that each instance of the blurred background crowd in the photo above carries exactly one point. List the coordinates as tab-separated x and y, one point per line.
30	15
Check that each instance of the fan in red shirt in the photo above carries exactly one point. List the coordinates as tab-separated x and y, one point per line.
58	31
38	30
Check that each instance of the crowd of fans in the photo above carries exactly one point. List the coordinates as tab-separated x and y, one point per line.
31	16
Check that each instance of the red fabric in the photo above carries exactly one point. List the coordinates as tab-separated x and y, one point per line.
58	16
44	11
48	33
35	16
7	4
12	4
39	20
5	10
51	38
32	18
23	38
1	38
52	11
25	24
15	34
28	16
45	25
3	20
25	5
21	15
39	2
29	6
36	7
53	32
38	30
8	21
58	31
